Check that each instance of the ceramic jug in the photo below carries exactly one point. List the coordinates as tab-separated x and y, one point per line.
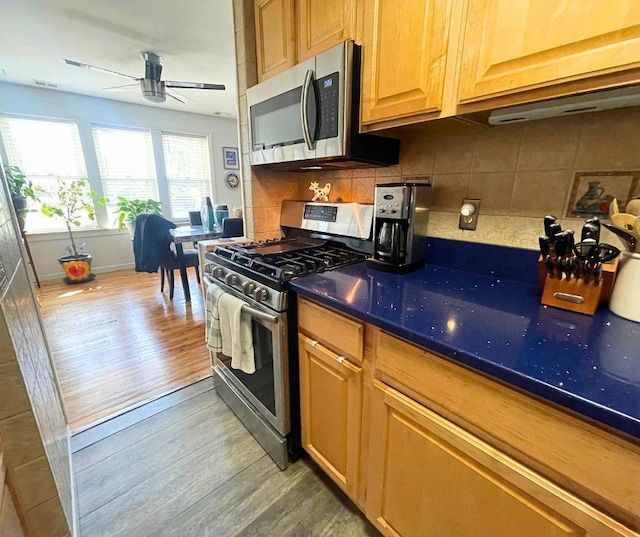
591	198
625	299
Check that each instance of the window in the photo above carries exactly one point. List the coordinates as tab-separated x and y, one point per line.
188	169
127	168
44	150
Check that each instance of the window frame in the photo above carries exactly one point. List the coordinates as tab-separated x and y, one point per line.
54	225
97	153
210	167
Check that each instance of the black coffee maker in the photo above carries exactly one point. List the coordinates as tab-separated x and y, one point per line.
401	215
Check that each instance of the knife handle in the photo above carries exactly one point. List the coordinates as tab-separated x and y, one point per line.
591	230
548	221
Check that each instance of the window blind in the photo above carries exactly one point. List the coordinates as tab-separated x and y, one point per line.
45	150
125	161
188	168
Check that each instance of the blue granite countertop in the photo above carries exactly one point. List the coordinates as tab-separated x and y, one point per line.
590	365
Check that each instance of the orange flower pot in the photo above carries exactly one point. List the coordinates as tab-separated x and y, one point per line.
77	268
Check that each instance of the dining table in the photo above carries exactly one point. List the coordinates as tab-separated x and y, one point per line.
182	234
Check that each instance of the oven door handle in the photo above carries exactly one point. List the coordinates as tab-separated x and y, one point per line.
260	315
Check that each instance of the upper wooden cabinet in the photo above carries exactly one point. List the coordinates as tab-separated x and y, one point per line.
290	31
405	49
275	45
537	49
323	24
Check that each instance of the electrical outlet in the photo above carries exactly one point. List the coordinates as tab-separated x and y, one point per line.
469	212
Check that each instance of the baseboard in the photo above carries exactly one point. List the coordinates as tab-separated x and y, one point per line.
96	270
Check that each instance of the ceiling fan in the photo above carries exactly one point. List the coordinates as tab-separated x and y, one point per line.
153	89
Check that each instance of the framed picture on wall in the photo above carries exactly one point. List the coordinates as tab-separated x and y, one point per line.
593	192
231	161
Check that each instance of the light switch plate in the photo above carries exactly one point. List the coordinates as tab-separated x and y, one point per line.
470	223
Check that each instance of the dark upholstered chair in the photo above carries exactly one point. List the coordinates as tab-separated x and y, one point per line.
170	263
153	249
232	227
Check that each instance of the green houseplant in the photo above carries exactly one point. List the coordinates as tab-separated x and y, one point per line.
21	191
71	200
128	211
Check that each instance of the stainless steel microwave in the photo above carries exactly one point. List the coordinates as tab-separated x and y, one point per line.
307	118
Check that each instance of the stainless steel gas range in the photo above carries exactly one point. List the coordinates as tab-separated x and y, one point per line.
316	237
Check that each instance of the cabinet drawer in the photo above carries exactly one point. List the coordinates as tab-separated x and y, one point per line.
334	330
599	466
428	476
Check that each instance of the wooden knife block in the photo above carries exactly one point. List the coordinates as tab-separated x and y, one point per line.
590	296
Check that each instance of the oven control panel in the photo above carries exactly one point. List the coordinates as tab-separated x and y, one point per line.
321	213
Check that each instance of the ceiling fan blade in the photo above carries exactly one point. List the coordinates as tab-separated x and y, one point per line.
175	97
94	68
120	88
193	85
178	96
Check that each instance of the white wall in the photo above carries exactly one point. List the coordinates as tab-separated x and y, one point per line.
112	250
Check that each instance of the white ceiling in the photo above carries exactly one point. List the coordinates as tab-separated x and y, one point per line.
195	38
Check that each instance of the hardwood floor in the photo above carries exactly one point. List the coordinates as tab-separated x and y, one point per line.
193	470
118	341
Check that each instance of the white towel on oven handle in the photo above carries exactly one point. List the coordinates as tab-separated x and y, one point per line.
237	337
213	337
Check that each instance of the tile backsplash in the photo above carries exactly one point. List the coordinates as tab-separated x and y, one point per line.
520	172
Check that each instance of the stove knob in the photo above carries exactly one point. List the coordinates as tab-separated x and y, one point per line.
261	294
231	279
392	211
248	288
217	273
382	211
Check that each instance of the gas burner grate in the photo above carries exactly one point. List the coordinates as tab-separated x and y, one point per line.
283	266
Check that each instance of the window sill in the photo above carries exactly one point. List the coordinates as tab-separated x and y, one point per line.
80	233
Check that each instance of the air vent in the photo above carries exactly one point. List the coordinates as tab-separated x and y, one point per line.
589	102
45	84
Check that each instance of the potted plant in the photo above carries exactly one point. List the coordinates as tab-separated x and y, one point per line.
72	199
128	211
21	191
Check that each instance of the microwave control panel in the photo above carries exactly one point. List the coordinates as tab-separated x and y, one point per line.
328	91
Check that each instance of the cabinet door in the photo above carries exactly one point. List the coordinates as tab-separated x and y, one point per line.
275	48
404	57
323	24
331	412
429	478
542	49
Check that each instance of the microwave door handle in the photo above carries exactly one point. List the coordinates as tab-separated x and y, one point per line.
309	117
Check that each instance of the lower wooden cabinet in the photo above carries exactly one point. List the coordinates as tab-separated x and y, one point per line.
383	429
331	412
428	477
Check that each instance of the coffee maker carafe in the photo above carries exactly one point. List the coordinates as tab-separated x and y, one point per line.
401	215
